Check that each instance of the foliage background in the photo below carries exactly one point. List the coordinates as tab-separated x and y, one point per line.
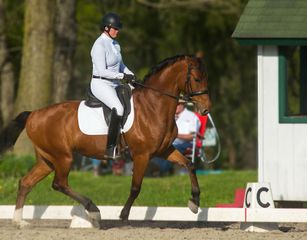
151	34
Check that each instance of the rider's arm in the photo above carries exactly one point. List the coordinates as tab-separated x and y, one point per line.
186	137
123	68
98	55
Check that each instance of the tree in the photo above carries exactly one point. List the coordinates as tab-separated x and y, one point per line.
34	89
65	43
7	78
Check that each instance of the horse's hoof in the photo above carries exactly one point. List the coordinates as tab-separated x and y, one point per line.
193	207
125	222
124	217
95	219
96	224
21	224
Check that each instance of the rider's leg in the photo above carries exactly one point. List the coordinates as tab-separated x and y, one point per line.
113	134
105	92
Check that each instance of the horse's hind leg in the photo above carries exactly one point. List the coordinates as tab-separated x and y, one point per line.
60	183
175	156
39	171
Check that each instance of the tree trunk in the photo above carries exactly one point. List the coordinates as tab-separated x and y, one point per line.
7	79
232	153
65	39
34	90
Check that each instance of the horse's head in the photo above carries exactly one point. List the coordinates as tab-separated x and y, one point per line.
193	84
187	72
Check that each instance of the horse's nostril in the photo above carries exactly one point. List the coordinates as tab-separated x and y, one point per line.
205	112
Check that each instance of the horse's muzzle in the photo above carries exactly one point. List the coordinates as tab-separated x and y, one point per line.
203	109
204	112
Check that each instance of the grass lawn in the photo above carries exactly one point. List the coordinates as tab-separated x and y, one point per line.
114	190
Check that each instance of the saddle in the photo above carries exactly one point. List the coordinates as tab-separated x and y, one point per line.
124	94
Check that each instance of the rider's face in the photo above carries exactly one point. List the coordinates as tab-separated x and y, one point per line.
113	32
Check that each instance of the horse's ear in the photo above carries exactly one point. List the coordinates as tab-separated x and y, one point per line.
200	54
200	57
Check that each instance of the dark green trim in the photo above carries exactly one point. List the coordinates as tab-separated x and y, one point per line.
282	93
273	41
293	119
303	79
282	90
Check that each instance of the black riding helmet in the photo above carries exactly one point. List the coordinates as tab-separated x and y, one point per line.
111	20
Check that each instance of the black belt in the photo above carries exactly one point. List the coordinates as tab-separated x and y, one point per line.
103	78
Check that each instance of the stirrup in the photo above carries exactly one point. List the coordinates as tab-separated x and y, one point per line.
110	154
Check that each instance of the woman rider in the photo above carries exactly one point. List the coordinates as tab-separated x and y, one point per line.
108	70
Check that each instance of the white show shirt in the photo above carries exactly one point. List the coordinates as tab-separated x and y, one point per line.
106	58
187	123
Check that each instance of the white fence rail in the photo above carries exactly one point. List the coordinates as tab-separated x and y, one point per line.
164	213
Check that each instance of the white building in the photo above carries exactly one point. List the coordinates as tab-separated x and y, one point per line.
279	29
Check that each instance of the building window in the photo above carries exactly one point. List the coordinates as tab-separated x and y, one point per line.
292	84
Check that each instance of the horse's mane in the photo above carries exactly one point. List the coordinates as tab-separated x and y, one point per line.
166	62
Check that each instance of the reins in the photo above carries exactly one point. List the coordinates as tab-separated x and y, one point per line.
158	90
186	98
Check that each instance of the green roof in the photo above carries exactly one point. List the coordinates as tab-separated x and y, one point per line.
273	19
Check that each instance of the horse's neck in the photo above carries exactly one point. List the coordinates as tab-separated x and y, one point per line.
161	91
165	80
155	104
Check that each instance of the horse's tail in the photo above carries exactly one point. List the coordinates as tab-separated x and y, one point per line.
10	133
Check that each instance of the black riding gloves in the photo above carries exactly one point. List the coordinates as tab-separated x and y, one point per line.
130	78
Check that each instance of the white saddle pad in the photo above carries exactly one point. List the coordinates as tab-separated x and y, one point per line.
91	120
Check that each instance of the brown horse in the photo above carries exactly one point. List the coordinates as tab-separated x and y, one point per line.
55	134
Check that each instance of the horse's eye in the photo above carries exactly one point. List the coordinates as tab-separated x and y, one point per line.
197	80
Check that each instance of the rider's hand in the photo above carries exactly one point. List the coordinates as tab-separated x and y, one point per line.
129	78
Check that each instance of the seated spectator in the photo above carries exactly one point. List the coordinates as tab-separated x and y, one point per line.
101	167
96	164
188	124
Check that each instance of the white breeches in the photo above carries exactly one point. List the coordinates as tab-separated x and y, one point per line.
105	91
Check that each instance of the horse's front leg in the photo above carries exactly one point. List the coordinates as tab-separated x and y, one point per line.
175	156
139	166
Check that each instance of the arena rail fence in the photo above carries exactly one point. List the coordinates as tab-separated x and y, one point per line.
264	215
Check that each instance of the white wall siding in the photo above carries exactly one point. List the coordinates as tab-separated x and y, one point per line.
267	116
282	148
300	160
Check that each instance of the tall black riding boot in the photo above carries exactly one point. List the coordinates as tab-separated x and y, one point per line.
113	134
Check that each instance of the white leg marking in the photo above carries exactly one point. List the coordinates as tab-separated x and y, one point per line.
17	219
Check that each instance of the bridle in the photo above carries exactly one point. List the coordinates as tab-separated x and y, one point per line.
188	88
